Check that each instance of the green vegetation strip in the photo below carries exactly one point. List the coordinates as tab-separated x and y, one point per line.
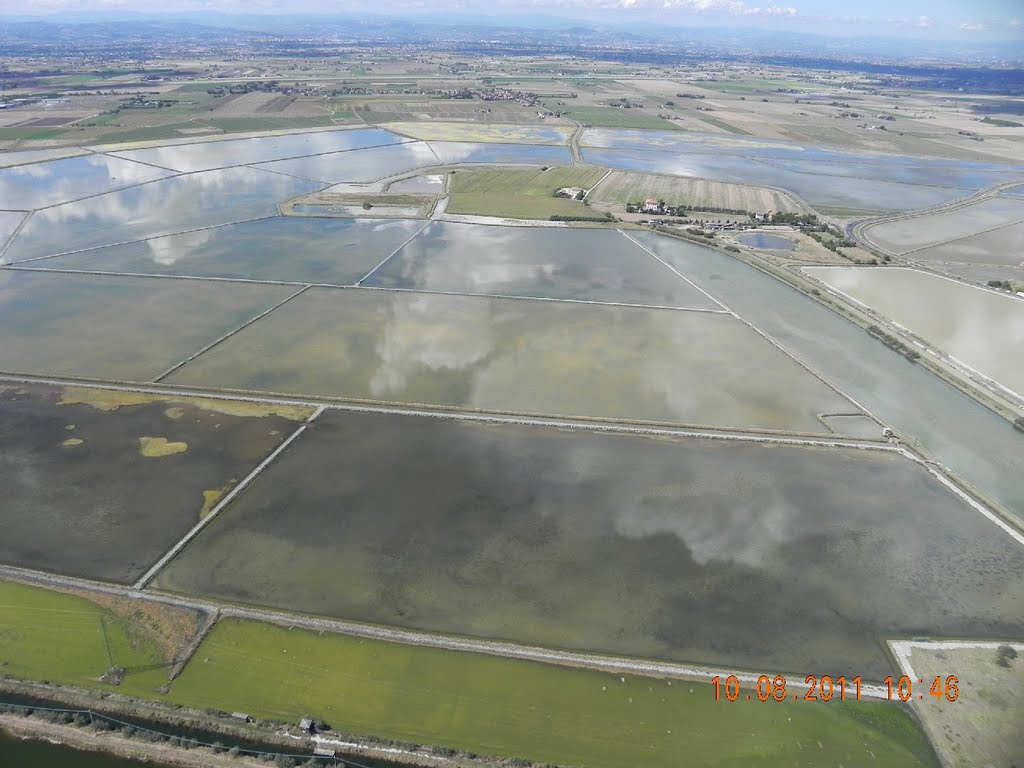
507	707
63	638
522	193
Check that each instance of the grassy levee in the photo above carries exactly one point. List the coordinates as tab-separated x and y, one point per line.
64	638
507	707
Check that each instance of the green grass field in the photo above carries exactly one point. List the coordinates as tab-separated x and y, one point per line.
613	117
525	193
63	638
515	708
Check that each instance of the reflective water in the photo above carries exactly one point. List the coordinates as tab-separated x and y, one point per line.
158	208
430	184
38	155
17	753
33	186
117	327
1003	246
801	158
9	221
819	190
512	154
752	556
520	356
973	325
334	251
361	165
766	241
905	235
587	264
980	446
204	156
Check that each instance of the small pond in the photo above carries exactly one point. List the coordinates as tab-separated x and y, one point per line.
766	241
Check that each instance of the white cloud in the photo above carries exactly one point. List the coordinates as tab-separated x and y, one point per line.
968	26
1014	23
771	10
923	21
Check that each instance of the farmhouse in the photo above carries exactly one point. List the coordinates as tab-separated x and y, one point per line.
652	206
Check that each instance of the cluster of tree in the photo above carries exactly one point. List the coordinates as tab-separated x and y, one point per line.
1006	653
795	219
1005	285
700	233
563	217
893	343
1018	423
580	194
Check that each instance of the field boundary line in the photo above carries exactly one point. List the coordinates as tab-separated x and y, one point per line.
133	160
229	334
555	300
598	184
610	425
140	239
647	250
173	175
159	276
149	575
11	238
413	236
904	254
456	643
820	377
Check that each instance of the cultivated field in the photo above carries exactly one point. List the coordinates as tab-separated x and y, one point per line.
69	639
101	468
622	187
527	193
685	549
612	117
516	708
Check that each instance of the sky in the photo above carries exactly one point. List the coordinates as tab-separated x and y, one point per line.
961	20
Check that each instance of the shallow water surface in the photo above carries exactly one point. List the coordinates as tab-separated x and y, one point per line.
972	325
759	556
584	264
206	155
766	241
161	207
334	251
520	355
58	181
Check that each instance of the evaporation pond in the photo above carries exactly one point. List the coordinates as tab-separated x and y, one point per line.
973	325
520	355
117	327
206	155
358	166
161	207
287	248
584	264
744	555
57	181
99	484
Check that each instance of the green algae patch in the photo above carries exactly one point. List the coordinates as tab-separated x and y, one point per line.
156	447
112	399
210	499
